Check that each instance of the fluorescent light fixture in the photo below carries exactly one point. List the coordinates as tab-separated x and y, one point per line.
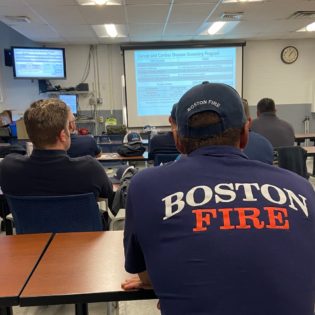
99	2
215	27
111	30
241	1
310	27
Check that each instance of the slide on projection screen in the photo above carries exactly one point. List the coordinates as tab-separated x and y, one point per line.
157	78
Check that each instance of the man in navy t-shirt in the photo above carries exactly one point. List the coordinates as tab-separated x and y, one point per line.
215	232
81	145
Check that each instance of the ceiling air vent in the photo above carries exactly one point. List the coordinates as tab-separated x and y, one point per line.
18	19
302	14
232	16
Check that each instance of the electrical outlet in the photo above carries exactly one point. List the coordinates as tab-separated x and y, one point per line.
99	101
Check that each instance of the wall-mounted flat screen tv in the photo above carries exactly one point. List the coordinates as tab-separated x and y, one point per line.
39	63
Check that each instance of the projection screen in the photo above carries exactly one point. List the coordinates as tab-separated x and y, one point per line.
155	79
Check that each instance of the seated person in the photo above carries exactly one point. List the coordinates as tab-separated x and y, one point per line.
220	234
49	171
163	143
258	147
279	132
82	145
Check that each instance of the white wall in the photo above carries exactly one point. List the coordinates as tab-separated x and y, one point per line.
110	65
265	75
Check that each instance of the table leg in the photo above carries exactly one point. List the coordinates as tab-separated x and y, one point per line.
6	311
81	309
112	308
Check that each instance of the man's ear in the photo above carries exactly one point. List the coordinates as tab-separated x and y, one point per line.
178	143
250	121
63	136
244	135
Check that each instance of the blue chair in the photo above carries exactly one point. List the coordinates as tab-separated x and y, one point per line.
161	158
44	214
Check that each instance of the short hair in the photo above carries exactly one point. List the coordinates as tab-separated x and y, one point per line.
228	137
44	120
266	105
173	112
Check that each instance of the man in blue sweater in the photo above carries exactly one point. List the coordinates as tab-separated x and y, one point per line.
217	233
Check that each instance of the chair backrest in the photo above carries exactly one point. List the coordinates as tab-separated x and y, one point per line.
293	158
43	214
161	158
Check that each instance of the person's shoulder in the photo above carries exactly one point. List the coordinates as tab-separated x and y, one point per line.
85	138
258	137
85	159
12	157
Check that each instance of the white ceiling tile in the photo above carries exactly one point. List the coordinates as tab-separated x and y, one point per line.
194	2
19	11
147	13
147	2
146	29
66	21
61	15
177	38
94	15
181	28
83	31
190	13
145	38
35	33
51	3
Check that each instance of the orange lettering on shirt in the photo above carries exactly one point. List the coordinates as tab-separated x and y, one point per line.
276	218
246	214
226	219
203	216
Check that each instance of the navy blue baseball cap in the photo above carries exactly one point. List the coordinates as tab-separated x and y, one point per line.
132	137
213	97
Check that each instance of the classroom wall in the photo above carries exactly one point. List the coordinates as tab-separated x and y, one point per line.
14	94
265	75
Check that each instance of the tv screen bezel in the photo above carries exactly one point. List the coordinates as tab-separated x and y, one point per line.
39	77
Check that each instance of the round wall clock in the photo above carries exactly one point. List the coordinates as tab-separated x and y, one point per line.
289	54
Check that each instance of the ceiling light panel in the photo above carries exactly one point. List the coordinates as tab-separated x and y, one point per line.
110	30
99	2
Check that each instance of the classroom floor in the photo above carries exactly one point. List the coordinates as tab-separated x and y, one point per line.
125	308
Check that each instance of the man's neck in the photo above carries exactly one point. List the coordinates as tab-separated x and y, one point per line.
54	147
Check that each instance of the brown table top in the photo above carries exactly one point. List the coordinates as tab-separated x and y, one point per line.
112	157
301	136
310	150
19	256
81	268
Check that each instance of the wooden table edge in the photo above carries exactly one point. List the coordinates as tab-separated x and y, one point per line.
88	298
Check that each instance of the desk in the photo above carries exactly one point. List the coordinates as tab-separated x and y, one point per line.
19	256
112	146
81	268
115	157
301	137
